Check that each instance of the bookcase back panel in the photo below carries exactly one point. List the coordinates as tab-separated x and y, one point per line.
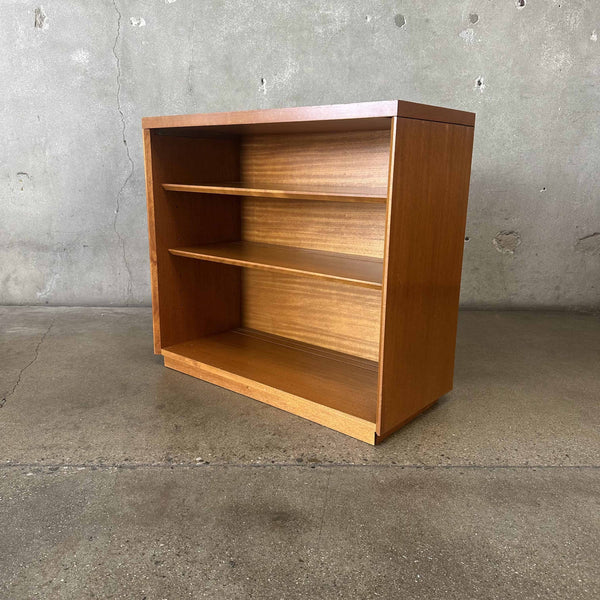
348	158
350	228
319	312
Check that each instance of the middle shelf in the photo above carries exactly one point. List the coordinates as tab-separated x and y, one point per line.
331	193
363	271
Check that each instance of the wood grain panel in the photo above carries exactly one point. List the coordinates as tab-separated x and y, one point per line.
426	112
361	271
340	116
327	159
299	116
358	124
328	314
425	238
315	374
190	298
337	420
338	193
346	228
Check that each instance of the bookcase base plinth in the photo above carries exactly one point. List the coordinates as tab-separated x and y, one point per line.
323	415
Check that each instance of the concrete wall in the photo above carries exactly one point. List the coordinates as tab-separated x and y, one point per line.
77	76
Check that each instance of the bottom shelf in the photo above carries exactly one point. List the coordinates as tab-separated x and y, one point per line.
334	389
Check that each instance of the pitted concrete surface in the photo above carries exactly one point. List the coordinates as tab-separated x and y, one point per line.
122	479
77	77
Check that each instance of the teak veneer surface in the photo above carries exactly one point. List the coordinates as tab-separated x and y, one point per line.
326	276
332	112
325	313
335	380
328	160
429	187
281	190
183	306
363	271
353	228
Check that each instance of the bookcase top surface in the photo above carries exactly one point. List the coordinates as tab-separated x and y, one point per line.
369	114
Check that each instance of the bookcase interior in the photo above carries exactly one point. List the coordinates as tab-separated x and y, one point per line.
270	256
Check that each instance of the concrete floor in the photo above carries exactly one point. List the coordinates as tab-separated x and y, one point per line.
122	479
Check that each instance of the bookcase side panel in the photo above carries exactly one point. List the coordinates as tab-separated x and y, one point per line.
424	243
151	238
192	298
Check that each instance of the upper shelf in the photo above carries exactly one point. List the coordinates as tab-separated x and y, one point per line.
362	271
304	192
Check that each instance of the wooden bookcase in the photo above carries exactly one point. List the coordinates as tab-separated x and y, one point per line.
310	257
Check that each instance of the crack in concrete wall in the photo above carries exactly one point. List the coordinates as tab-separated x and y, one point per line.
129	159
190	68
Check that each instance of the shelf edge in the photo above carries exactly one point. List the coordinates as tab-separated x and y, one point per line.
259	192
185	253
